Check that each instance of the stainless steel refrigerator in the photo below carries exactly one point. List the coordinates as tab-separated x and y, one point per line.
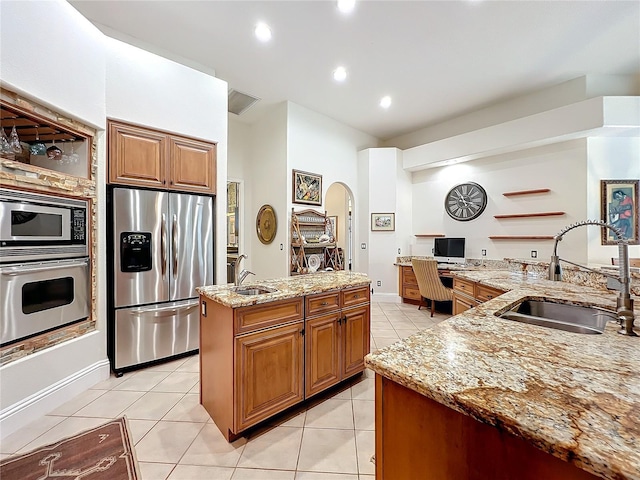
161	249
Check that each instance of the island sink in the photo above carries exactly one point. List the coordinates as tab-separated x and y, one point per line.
253	290
561	316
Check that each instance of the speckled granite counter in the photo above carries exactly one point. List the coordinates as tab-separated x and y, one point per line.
574	396
287	287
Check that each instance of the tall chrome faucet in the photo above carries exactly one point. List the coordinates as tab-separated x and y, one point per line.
622	283
240	275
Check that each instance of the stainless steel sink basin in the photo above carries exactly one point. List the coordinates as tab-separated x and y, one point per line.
571	318
253	290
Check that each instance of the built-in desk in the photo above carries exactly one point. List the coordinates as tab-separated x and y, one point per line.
408	284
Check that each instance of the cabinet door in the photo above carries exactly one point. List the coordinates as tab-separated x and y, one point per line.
268	373
322	353
356	339
462	303
137	156
193	165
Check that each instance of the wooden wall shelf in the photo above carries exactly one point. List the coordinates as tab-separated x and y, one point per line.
521	237
526	192
523	215
429	235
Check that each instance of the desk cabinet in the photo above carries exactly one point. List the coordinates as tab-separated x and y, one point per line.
408	286
468	294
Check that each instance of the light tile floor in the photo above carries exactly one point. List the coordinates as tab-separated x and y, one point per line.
330	438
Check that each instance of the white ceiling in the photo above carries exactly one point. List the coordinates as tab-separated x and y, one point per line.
437	59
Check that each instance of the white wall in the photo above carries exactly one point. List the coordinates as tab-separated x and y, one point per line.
609	158
267	179
149	90
560	167
321	145
52	54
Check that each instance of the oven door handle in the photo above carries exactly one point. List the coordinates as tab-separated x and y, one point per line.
14	271
173	308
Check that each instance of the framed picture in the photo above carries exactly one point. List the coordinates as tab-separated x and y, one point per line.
620	208
384	222
307	188
333	227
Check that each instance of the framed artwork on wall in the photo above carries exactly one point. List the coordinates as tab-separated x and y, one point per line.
383	222
620	208
307	188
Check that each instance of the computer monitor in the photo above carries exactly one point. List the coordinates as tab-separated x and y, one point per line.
449	250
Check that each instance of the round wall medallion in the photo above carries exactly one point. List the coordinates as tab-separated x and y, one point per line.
266	224
465	201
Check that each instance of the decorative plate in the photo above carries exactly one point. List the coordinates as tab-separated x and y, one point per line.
314	262
266	224
465	201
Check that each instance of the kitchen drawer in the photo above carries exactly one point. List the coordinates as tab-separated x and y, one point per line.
322	303
462	303
484	293
256	317
355	296
465	286
409	276
412	293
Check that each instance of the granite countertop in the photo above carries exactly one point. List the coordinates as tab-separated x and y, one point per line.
287	287
575	396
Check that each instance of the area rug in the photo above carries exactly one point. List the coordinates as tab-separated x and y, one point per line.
101	453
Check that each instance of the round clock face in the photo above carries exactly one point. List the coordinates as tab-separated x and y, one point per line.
465	201
266	224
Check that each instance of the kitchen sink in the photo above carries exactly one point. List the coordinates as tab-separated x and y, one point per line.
253	290
561	316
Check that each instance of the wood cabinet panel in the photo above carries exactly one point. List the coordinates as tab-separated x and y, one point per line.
415	434
462	303
485	293
136	156
322	303
269	373
193	165
354	296
465	286
356	343
410	292
255	317
322	353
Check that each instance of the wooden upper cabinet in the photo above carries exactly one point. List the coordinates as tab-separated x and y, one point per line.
144	157
193	165
137	156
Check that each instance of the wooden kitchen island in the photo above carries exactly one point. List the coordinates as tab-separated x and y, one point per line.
484	398
262	354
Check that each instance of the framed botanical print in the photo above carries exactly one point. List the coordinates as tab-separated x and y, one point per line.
333	227
620	208
307	188
383	222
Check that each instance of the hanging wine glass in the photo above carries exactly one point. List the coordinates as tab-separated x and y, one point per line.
4	143
14	141
54	153
74	157
38	148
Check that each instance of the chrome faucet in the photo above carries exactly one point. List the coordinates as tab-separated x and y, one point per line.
240	275
622	283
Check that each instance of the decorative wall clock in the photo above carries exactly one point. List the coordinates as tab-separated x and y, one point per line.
266	224
465	201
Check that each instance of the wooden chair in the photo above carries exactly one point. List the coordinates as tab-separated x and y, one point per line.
429	282
633	262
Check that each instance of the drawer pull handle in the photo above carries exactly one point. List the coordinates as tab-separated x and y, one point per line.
324	304
356	295
489	296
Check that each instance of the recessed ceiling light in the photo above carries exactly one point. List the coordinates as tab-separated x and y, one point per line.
346	6
263	32
385	102
340	74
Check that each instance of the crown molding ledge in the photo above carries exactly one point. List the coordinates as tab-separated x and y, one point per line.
599	116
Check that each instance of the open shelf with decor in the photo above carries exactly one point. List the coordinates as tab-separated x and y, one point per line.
312	247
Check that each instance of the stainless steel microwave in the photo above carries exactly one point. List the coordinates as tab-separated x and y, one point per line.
36	226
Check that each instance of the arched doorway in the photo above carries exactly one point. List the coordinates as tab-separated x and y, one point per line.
339	206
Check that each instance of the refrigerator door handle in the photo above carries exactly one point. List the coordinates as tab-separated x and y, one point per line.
171	309
163	244
174	244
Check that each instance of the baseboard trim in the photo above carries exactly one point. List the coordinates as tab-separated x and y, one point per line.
48	399
386	298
